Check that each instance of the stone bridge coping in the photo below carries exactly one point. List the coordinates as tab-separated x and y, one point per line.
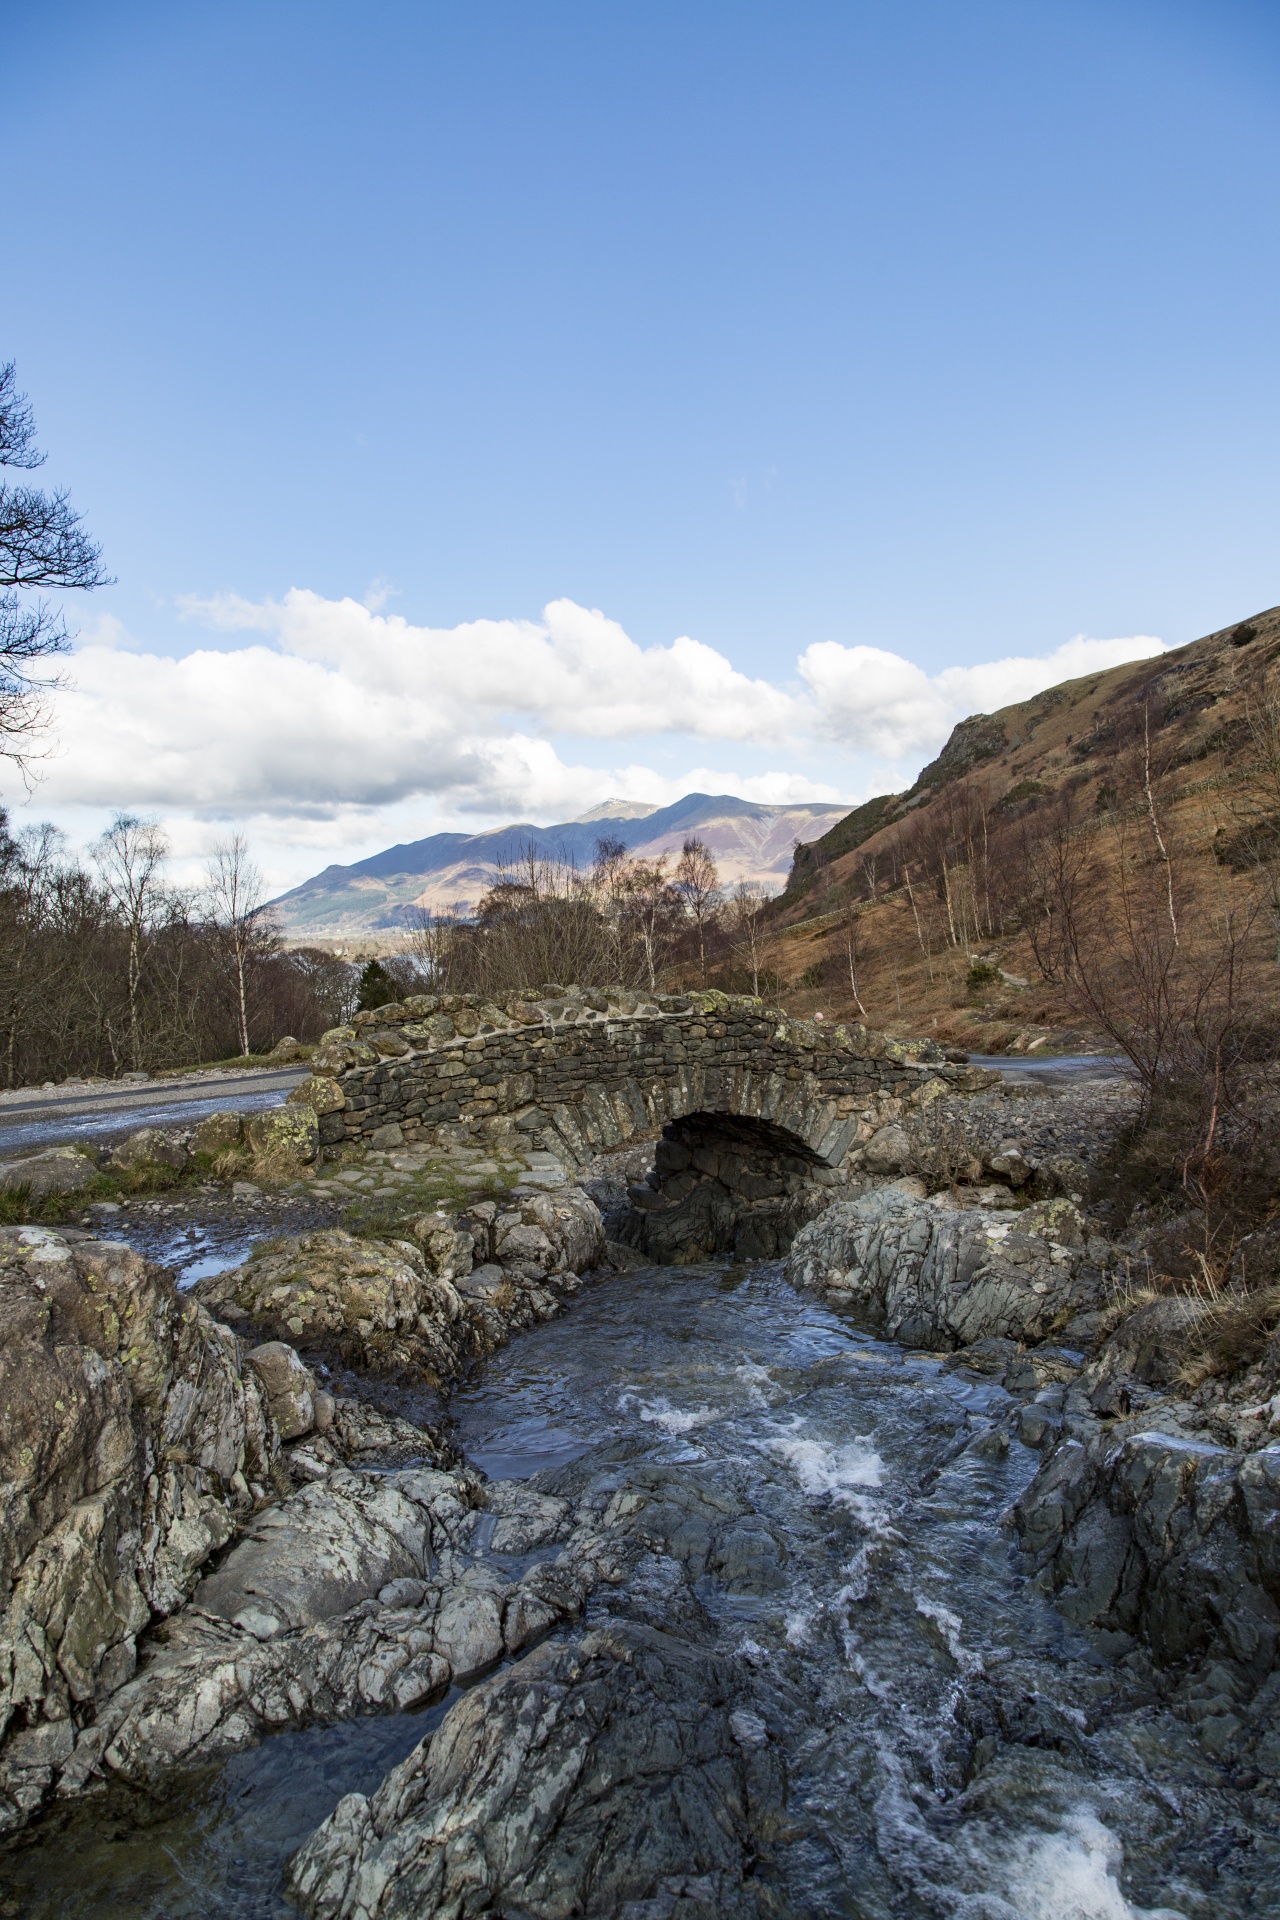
609	1006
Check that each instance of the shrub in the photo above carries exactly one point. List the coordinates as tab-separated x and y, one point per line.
983	974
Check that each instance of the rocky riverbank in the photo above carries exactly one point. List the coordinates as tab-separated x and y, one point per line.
218	1527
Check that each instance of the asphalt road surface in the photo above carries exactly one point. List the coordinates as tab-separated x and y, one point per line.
36	1117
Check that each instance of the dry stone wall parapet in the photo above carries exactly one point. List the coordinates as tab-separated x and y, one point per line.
584	1072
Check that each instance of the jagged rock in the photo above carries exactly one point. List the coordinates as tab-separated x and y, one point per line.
1149	1346
131	1441
289	1133
934	1277
149	1147
61	1170
587	1777
447	1245
541	1234
290	1387
284	1640
1161	1536
324	1549
389	1304
375	1302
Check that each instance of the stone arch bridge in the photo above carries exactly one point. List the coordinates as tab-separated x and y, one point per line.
760	1116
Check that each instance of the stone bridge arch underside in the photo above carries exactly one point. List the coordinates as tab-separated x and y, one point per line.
759	1119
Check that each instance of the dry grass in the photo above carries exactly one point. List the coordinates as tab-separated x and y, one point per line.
1232	1336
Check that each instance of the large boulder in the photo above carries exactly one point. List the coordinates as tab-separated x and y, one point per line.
60	1170
321	1092
217	1133
432	1302
544	1234
150	1150
1147	1532
131	1441
331	1545
611	1775
939	1277
288	1135
375	1302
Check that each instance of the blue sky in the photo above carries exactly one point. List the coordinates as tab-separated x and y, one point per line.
866	346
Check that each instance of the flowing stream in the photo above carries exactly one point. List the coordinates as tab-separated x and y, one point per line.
952	1749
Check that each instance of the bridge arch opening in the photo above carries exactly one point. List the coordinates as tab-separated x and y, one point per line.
726	1183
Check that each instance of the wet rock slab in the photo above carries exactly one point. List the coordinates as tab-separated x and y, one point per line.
621	1773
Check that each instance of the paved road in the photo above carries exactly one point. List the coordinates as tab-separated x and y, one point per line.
1070	1066
46	1117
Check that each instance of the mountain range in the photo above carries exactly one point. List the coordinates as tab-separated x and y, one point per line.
750	841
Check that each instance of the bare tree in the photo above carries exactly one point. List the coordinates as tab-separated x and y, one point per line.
747	928
130	856
652	909
698	884
43	547
852	953
235	895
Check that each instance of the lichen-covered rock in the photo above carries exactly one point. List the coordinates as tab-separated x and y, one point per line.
217	1133
375	1302
936	1277
543	1234
148	1148
320	1092
623	1768
323	1550
131	1440
456	1290
60	1170
288	1133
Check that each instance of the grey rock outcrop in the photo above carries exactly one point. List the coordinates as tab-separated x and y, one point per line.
290	1387
375	1302
354	1595
132	1440
432	1303
940	1277
623	1768
1147	1533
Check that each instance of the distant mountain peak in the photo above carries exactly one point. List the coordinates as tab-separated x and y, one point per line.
749	839
615	810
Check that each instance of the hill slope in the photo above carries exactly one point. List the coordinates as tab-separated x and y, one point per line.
1084	742
750	842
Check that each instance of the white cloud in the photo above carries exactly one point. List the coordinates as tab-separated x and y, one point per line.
878	701
574	671
331	728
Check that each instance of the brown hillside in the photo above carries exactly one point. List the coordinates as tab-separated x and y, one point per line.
1171	755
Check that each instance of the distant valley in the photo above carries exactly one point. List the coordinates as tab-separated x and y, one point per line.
750	841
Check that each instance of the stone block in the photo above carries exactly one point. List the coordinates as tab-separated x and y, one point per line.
318	1091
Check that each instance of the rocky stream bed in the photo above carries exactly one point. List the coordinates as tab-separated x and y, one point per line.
507	1575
